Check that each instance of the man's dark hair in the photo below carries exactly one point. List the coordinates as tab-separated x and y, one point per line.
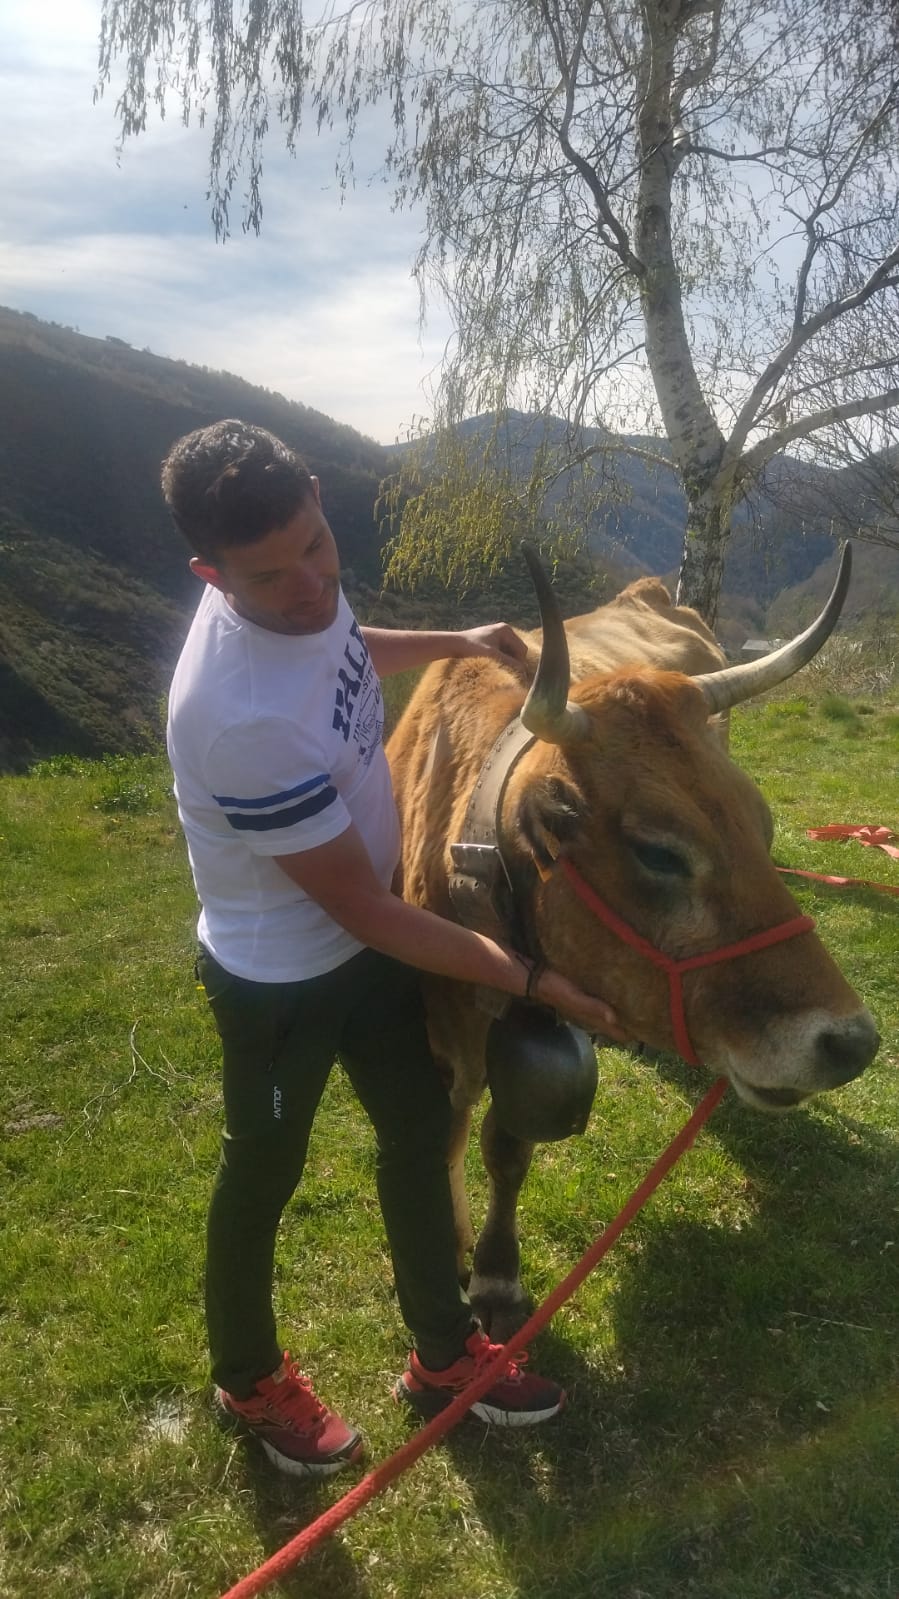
232	483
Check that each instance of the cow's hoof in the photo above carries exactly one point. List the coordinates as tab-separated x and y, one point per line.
501	1308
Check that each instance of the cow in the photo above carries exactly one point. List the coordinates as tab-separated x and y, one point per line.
628	789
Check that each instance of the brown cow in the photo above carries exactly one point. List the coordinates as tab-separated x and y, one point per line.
629	782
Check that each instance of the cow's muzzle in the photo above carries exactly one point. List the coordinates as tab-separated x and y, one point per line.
820	1051
844	1050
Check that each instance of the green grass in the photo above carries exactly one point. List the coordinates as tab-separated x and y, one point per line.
733	1365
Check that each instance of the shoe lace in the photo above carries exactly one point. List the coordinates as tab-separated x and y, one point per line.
297	1399
487	1351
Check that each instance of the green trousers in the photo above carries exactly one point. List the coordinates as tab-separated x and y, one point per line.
279	1042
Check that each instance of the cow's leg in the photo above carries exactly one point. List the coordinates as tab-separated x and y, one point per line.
495	1290
460	1128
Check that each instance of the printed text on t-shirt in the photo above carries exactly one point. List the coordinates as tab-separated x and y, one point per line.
349	683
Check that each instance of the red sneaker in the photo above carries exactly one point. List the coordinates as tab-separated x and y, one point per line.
299	1434
515	1400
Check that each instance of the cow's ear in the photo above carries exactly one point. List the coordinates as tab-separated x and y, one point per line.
551	813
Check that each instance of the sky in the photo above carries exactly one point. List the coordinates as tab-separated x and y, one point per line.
321	306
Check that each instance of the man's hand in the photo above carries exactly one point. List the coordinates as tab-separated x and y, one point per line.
593	1015
495	639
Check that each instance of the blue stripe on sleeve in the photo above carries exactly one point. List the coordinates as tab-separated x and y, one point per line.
296	813
272	799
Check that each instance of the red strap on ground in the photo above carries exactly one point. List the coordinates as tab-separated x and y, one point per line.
838	882
874	837
293	1552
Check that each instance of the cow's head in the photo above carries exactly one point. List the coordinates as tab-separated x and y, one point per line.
629	780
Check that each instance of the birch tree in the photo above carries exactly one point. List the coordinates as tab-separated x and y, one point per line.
677	218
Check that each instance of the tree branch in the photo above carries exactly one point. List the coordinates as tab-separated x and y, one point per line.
776	369
612	231
760	454
617	446
694	77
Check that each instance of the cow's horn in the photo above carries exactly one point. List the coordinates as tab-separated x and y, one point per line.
733	684
547	711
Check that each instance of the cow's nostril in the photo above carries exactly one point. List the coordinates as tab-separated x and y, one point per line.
843	1052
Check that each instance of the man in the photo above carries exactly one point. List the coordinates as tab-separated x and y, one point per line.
275	723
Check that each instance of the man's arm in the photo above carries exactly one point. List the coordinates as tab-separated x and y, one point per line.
398	650
339	876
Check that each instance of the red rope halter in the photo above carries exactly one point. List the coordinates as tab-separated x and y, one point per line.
676	968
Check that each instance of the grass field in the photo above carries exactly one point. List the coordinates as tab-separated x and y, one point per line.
733	1365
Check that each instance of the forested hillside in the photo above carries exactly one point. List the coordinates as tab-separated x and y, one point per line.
94	586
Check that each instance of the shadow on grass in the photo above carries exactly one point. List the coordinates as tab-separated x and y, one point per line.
739	1433
283	1507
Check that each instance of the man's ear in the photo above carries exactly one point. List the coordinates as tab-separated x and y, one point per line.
207	573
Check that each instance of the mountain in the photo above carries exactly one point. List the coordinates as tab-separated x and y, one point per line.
873	596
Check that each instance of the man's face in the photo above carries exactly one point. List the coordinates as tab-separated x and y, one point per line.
288	581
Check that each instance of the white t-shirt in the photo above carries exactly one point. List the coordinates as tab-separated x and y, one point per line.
276	746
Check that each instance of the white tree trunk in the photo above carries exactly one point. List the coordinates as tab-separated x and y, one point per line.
702	562
696	440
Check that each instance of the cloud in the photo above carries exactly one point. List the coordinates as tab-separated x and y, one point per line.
321	307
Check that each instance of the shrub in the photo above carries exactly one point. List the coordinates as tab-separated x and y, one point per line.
63	766
131	798
838	709
865	664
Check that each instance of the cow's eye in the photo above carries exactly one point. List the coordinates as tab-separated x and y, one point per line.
661	860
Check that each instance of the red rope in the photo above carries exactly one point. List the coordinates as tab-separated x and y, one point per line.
376	1481
668	963
838	882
